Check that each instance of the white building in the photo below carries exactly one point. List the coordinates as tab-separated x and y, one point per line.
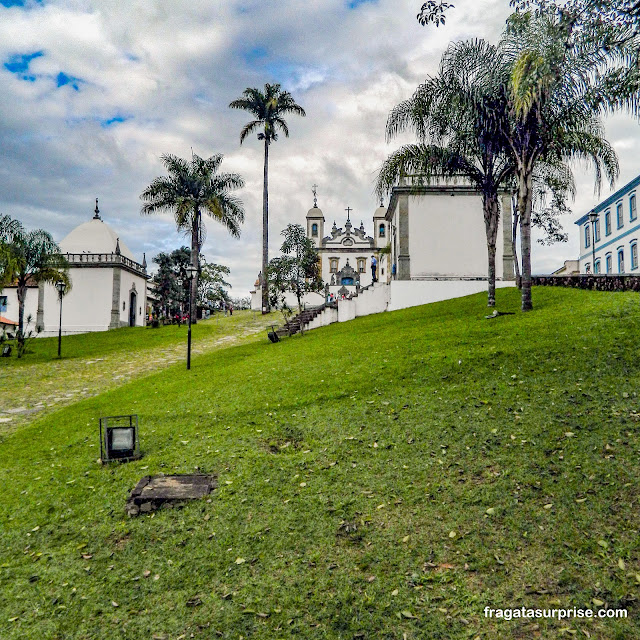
613	237
438	233
108	286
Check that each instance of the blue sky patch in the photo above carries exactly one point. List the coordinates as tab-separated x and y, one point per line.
354	4
15	3
63	79
19	64
117	119
255	54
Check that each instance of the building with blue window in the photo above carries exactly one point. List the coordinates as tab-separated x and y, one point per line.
612	234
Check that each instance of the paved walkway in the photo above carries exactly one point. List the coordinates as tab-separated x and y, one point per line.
30	391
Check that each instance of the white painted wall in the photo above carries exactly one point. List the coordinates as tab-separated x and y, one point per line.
30	306
310	300
86	307
447	236
412	293
127	279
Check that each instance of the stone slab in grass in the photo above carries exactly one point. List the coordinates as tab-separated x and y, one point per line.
154	492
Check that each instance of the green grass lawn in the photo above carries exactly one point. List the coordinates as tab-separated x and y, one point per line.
388	477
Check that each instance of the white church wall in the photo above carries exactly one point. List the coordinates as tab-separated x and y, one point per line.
412	293
310	300
374	300
30	305
328	316
86	307
127	280
447	236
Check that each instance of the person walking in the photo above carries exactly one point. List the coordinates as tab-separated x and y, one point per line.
374	267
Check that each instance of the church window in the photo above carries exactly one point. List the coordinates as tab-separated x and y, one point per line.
333	265
381	231
362	265
314	230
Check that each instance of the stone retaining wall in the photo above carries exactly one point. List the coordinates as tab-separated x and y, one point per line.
600	282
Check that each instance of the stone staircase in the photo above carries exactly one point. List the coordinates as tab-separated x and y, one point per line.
303	319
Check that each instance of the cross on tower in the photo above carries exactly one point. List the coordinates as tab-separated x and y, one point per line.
314	190
348	210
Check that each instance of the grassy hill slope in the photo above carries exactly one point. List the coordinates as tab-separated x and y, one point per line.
382	478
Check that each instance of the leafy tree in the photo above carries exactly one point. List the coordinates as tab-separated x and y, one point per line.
459	117
190	189
33	257
171	281
297	270
212	287
268	109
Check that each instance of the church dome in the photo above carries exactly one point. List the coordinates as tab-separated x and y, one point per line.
315	212
94	236
380	212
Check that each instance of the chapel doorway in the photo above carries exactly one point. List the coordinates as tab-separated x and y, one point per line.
133	304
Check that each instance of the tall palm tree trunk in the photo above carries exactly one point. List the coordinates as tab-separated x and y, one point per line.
491	219
195	251
524	212
265	230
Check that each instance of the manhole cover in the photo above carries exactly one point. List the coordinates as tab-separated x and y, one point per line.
153	492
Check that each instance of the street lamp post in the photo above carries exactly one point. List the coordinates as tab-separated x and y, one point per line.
61	287
191	272
593	217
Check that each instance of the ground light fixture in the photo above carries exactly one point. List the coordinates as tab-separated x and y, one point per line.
593	218
61	286
119	438
191	272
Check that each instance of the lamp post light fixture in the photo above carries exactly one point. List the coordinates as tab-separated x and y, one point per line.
191	272
593	217
119	438
61	286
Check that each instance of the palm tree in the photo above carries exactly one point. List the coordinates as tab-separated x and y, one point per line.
189	189
35	258
456	116
10	230
558	89
268	108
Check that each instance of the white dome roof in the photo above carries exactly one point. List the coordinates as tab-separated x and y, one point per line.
94	236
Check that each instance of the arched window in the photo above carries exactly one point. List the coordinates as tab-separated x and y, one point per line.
620	260
333	265
314	230
587	236
634	255
609	263
619	215
382	231
607	223
633	212
597	267
362	265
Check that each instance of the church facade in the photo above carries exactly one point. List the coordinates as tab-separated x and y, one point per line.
108	286
346	253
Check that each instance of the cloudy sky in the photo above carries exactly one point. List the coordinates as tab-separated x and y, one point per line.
94	91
